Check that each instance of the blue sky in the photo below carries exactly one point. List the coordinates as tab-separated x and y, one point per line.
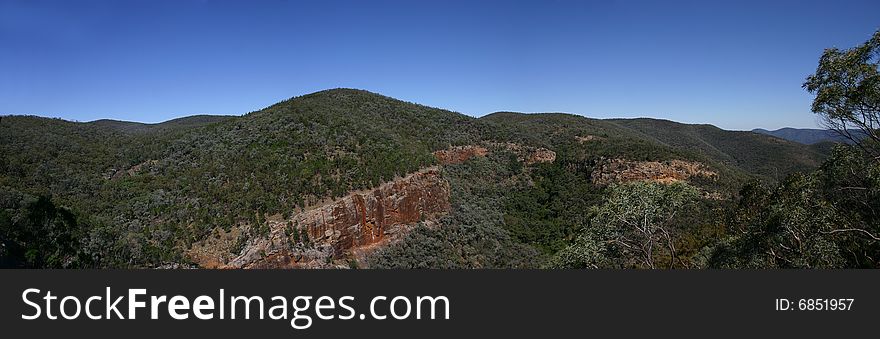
734	64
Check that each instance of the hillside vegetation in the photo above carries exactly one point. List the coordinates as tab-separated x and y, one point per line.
770	158
119	194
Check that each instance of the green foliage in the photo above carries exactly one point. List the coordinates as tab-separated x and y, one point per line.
138	195
631	229
783	229
736	155
591	249
750	154
847	89
547	213
472	235
852	181
42	235
165	186
826	219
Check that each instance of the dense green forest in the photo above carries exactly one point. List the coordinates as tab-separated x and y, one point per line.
120	194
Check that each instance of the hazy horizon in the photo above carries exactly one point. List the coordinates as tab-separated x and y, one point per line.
737	66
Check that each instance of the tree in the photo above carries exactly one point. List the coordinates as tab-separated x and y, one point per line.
794	226
631	228
639	216
829	218
42	236
847	89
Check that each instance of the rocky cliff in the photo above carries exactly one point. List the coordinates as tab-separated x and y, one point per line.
620	170
525	154
459	154
344	231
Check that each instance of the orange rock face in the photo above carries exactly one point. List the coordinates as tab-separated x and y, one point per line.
619	170
540	155
350	227
459	154
525	154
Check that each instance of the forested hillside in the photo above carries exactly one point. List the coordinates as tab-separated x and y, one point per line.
526	190
764	156
152	189
811	136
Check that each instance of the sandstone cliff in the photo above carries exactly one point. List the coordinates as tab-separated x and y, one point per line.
459	154
525	154
348	229
345	230
619	170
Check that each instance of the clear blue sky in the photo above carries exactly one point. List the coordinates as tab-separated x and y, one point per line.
735	64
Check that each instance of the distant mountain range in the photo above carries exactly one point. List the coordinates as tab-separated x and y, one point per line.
807	136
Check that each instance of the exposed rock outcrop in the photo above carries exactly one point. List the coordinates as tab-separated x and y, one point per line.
348	228
525	154
114	174
540	155
459	154
619	170
217	249
587	138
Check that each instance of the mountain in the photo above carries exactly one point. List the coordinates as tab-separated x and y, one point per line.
159	192
755	154
807	136
348	178
744	152
174	124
